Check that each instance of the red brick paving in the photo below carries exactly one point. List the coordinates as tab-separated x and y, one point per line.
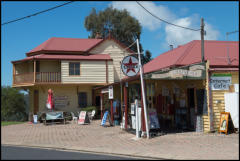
93	137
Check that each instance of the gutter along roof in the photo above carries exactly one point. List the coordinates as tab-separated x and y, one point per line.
95	57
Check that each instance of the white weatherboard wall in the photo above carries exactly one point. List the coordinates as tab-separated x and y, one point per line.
116	52
232	106
90	72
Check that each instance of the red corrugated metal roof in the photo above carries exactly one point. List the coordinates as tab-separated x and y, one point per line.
190	53
69	45
66	44
66	57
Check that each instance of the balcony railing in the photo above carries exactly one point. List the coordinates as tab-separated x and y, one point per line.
41	77
48	77
23	78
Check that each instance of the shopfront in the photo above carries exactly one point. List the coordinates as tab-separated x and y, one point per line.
178	96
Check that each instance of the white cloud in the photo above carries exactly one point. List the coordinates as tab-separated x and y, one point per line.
145	19
178	36
174	35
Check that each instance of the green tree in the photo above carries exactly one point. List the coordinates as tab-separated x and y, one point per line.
13	105
122	26
147	57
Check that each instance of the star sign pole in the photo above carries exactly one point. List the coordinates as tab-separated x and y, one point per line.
143	90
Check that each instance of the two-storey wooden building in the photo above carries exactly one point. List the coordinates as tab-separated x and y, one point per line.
71	67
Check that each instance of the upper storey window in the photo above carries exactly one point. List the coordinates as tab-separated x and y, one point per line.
74	68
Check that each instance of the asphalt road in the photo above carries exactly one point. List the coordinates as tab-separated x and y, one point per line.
27	153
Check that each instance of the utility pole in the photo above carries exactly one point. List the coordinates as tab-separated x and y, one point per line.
202	39
143	90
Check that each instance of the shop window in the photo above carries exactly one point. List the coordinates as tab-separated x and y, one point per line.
74	68
82	99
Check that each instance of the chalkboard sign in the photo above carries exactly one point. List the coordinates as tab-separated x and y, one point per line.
154	124
201	102
223	127
106	117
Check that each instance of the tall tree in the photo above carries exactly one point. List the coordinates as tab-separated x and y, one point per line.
122	26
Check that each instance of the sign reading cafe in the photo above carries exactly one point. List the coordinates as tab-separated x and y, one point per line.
220	83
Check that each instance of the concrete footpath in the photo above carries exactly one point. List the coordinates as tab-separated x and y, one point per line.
113	140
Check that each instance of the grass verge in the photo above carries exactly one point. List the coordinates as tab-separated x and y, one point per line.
5	123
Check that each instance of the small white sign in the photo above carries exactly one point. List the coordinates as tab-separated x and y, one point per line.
220	83
82	117
110	93
130	66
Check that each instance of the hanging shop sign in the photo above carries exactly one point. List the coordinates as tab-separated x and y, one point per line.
130	66
110	93
195	71
220	83
105	90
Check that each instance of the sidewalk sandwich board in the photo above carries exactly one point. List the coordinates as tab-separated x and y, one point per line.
83	118
106	117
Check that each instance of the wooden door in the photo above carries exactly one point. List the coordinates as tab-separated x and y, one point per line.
36	102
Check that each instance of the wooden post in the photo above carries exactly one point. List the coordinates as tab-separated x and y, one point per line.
14	73
111	110
101	100
126	107
209	98
34	71
106	71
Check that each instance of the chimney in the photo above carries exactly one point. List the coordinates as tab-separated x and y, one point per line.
171	47
97	36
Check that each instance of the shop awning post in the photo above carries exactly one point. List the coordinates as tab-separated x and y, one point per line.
143	90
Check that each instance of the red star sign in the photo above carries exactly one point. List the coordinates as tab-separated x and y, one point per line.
130	65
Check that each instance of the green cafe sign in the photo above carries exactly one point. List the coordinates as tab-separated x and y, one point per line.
194	71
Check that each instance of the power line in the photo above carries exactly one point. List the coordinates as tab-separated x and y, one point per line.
36	13
228	33
165	20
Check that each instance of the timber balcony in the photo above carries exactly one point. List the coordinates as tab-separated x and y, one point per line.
40	77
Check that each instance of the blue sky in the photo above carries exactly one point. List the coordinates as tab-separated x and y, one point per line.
68	21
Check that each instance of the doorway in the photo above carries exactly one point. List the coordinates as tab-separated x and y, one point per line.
36	102
191	107
82	99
